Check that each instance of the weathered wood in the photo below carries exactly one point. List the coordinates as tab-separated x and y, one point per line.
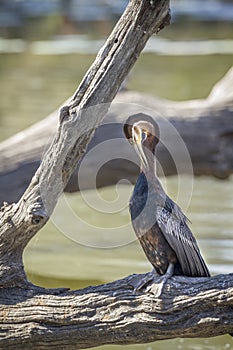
112	313
205	126
32	317
77	122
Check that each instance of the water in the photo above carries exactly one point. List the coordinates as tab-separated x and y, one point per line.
70	253
54	260
81	44
107	242
33	86
97	11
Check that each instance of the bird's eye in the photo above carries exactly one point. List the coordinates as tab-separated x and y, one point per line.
144	135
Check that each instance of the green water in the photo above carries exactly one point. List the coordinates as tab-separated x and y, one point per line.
86	246
54	260
32	86
96	247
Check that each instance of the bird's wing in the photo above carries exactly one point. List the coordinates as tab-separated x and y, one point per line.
173	224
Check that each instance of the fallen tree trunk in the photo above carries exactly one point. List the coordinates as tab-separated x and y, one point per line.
205	126
113	314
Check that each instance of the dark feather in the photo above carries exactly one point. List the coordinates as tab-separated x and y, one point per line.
168	233
173	224
159	223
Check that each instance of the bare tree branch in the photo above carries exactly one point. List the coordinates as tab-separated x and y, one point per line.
78	121
113	314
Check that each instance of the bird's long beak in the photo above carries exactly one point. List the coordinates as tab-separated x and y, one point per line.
138	139
140	152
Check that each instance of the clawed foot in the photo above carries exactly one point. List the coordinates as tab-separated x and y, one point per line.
139	282
158	285
153	282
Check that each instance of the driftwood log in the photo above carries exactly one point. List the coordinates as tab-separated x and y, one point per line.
33	317
206	127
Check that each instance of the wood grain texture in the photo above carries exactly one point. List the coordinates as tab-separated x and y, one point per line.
33	317
113	314
78	120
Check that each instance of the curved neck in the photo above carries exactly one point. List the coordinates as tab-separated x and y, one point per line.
150	172
150	167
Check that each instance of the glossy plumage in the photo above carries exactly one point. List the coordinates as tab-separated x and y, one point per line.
159	223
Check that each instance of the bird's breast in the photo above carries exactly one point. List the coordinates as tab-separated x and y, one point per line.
142	206
139	197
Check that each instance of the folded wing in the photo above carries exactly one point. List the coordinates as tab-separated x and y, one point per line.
173	224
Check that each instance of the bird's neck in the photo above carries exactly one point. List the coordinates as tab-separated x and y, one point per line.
151	174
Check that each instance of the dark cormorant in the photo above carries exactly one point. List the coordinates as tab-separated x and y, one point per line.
159	223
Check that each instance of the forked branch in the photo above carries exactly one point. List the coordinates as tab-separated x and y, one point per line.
78	121
33	317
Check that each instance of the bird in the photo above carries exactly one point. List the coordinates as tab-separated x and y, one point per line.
159	223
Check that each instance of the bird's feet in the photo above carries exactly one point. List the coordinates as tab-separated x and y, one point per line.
157	287
153	282
139	282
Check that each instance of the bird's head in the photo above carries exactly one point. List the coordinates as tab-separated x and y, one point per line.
143	133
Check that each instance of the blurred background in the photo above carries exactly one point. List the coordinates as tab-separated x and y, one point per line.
45	49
